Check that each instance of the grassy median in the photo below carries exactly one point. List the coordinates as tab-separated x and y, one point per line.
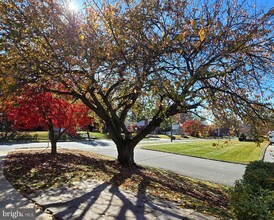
224	150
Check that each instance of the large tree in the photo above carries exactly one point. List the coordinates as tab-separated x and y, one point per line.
124	58
36	108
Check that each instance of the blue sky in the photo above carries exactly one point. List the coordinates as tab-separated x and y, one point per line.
267	3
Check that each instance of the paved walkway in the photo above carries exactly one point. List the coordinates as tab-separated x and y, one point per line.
11	199
89	200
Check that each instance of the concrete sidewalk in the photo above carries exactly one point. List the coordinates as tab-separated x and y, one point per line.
90	199
11	199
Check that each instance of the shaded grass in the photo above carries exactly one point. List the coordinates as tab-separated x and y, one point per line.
32	171
163	136
231	151
42	136
96	135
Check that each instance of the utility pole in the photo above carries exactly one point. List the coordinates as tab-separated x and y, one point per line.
171	138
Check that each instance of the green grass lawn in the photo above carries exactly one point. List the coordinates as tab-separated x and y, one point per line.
96	135
234	151
24	136
43	136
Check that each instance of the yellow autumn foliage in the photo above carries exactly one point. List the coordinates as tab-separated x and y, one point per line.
202	34
82	37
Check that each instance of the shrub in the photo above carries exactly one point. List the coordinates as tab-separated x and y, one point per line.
260	174
253	197
242	137
248	205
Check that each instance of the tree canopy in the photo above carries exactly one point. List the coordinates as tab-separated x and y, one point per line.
131	58
36	108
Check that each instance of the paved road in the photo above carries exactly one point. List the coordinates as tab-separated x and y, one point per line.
214	171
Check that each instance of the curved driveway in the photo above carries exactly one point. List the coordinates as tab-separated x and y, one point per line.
213	171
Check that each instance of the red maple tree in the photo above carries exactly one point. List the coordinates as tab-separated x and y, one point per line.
193	127
35	108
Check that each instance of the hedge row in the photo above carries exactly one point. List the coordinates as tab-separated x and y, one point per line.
253	197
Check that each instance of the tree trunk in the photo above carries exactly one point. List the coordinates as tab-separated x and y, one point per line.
88	134
126	155
125	146
53	147
53	141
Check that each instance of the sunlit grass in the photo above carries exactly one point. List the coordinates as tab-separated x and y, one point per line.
231	151
96	135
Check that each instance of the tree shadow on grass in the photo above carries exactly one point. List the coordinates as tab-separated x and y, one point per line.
84	195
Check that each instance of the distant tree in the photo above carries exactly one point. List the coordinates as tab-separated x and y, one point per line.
186	117
193	127
35	108
207	130
226	124
255	132
165	126
153	57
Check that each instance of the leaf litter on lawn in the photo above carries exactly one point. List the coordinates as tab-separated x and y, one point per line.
32	171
